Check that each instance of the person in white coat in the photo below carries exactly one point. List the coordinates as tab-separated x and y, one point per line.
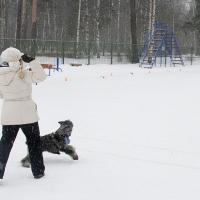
19	111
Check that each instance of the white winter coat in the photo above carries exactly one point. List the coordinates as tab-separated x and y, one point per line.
18	106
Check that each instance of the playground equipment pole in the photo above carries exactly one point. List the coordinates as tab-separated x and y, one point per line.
173	17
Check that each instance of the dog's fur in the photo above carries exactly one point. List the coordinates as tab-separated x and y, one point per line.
56	142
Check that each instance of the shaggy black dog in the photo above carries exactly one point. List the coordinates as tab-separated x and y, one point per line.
56	142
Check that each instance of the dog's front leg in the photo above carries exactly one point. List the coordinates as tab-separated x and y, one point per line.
70	150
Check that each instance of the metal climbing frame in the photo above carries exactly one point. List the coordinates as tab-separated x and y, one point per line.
161	39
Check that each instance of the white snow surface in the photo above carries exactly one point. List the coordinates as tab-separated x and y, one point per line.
137	133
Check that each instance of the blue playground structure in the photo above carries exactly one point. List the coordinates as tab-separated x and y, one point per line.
159	43
46	63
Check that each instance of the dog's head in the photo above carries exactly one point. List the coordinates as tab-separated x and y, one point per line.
65	128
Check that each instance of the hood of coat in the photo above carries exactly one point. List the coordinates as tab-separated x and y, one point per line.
11	54
7	74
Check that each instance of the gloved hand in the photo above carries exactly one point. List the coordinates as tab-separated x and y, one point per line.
4	64
26	58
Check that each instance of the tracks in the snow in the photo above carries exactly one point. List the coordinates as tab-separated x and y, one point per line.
143	153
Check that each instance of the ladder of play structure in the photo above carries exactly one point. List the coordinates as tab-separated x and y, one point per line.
161	38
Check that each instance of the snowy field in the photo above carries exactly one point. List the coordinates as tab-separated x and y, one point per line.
137	133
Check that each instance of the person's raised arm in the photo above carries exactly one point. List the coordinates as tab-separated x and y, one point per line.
37	72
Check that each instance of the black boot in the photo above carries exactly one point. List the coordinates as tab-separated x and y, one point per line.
2	169
39	176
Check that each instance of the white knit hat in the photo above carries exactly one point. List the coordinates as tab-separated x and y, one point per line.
11	55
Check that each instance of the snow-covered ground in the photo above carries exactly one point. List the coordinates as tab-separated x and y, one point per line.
137	133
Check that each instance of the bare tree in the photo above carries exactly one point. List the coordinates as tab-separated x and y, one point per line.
152	17
19	22
34	25
98	27
24	16
2	18
87	21
34	19
78	27
118	26
135	58
118	21
102	21
110	25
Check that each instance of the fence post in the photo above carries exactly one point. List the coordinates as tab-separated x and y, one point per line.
75	50
111	53
63	52
191	55
103	48
166	58
57	50
33	47
57	63
161	57
89	49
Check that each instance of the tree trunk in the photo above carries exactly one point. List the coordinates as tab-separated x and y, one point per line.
19	23
34	19
98	28
87	31
24	16
48	20
78	28
118	21
87	22
135	58
2	18
54	21
152	17
118	26
197	25
111	21
34	25
153	14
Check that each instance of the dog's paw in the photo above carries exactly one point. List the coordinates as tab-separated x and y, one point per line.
75	156
26	164
71	151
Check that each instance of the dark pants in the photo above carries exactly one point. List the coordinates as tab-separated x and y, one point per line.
32	133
